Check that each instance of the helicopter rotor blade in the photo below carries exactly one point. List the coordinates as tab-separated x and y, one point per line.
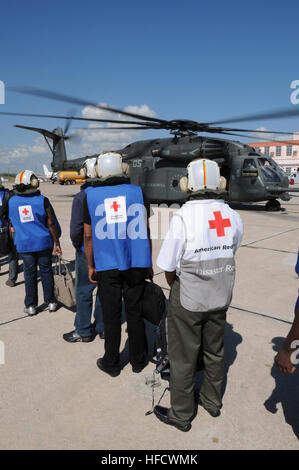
255	131
285	142
44	132
274	114
52	116
114	128
68	121
70	99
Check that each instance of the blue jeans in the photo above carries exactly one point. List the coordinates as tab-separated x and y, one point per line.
43	259
84	298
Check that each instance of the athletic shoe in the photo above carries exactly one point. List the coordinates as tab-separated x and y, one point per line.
52	306
30	310
74	337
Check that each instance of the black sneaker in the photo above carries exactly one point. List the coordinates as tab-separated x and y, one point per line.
162	414
74	337
111	372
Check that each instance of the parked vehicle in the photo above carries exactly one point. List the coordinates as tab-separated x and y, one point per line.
69	177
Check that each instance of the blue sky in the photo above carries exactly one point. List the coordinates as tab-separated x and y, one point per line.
189	59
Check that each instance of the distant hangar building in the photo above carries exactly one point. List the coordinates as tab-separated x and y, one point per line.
285	153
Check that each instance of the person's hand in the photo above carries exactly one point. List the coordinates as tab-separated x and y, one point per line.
149	273
57	250
92	275
283	361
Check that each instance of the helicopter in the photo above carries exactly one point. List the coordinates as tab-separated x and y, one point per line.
156	165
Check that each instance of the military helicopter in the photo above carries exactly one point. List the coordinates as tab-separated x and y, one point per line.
158	164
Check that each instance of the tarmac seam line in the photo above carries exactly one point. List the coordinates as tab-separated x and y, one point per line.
260	314
271	236
271	249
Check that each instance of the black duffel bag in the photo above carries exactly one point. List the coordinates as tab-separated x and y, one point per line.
153	303
5	241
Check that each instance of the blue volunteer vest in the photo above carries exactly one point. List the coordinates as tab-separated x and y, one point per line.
119	231
2	196
29	218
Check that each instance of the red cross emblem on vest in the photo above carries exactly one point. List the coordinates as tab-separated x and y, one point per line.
115	206
219	224
25	211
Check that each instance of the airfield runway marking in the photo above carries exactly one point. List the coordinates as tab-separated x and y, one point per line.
14	319
270	236
251	311
261	314
270	249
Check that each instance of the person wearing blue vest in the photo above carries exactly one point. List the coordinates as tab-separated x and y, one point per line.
36	233
84	331
118	252
12	257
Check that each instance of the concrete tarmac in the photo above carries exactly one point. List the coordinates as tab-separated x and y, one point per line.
53	396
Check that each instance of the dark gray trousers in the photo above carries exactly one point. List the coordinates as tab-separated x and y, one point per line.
187	332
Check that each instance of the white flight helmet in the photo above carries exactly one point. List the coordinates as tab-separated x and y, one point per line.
88	169
110	164
28	178
202	175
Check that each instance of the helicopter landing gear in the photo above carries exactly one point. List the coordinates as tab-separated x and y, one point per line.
273	205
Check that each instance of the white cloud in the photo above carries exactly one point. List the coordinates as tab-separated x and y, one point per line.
95	141
266	137
15	159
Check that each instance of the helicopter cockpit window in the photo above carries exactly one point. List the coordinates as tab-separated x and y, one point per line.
249	165
264	162
268	170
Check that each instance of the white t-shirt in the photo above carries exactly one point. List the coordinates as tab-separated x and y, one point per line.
201	230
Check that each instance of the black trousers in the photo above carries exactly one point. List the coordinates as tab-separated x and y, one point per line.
113	286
